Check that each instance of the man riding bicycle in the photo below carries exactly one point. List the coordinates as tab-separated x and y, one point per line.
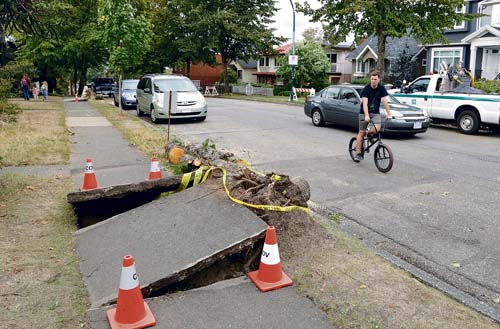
371	96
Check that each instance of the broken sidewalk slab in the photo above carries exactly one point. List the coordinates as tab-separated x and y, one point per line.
234	303
170	238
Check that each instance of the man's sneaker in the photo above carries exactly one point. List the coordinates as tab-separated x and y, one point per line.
358	157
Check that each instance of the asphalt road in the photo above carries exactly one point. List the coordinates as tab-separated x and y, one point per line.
436	213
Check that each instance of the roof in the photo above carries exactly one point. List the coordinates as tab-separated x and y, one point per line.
265	73
488	30
284	49
250	64
393	46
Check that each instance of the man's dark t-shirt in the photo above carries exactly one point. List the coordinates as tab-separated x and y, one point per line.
374	98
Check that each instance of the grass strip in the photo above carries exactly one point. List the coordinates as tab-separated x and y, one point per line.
41	286
37	137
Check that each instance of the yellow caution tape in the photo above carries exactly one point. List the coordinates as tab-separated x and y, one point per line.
200	178
256	206
274	177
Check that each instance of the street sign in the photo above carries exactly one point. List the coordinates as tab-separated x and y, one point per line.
293	60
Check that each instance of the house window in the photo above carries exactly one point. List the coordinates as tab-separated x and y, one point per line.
362	67
264	61
448	56
277	60
240	74
332	58
424	62
462	24
491	10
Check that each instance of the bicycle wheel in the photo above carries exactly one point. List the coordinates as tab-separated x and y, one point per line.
384	159
352	148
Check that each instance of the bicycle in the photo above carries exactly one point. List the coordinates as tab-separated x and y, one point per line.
383	156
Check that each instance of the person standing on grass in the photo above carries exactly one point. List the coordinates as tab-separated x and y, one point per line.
35	91
372	95
45	90
25	86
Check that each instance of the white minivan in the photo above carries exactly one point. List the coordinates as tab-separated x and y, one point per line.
191	104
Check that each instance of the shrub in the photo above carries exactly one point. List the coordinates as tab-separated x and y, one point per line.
489	86
8	112
360	81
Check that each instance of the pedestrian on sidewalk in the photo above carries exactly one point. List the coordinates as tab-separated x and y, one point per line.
45	90
25	86
35	91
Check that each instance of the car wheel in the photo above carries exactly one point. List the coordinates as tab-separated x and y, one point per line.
154	119
139	112
468	122
317	118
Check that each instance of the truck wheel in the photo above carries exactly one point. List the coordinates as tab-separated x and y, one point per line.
468	122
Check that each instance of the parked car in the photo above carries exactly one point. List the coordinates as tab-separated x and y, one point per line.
191	104
103	86
341	104
129	97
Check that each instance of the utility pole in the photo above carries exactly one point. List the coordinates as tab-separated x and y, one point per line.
292	94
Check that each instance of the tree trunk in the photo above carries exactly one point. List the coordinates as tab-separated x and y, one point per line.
224	65
381	50
120	90
83	73
188	68
3	47
74	88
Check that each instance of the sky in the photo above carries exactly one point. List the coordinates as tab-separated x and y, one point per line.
284	19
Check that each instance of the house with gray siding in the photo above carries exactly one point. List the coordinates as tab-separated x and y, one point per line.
475	43
364	57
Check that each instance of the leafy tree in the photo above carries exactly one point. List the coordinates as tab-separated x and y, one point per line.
312	34
404	67
312	66
425	20
20	16
238	29
181	41
126	31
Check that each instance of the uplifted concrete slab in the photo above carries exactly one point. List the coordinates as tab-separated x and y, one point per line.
231	304
169	238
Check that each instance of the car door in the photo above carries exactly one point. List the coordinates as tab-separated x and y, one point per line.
349	106
147	96
417	94
139	93
330	103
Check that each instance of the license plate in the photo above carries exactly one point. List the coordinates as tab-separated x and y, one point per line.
417	125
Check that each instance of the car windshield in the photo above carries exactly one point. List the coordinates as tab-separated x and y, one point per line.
174	84
107	81
390	98
132	84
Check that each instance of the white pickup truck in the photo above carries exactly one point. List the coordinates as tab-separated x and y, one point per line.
468	111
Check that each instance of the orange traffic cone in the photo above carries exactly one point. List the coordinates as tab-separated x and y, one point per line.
155	171
89	180
131	310
270	276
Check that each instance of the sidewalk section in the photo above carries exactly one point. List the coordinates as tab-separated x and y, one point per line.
93	137
234	303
